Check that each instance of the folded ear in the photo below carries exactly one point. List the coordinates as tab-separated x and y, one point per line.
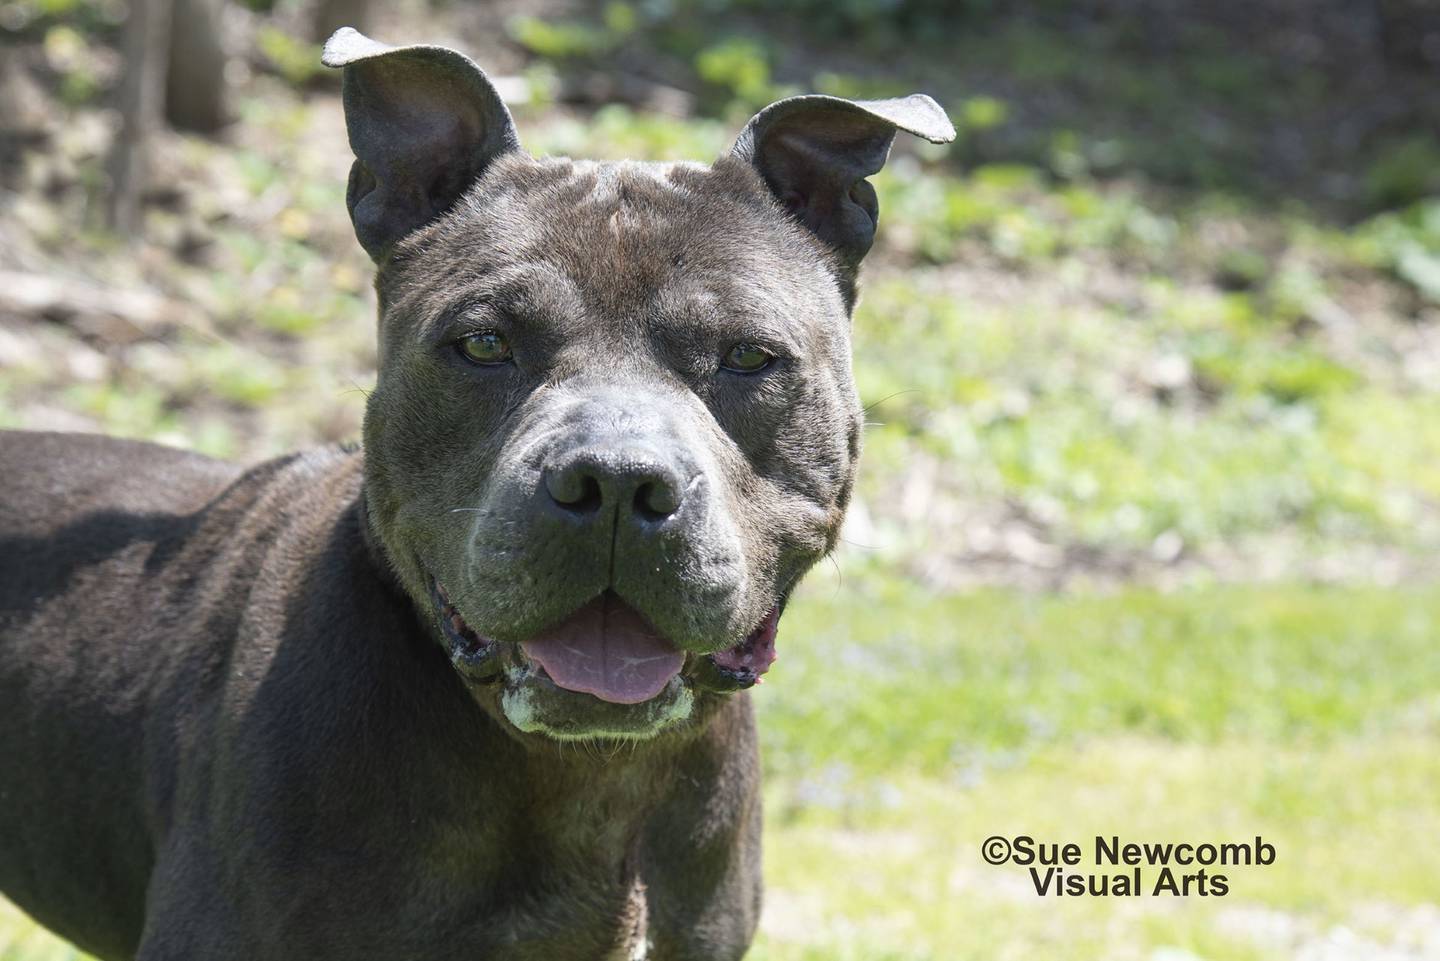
815	152
424	123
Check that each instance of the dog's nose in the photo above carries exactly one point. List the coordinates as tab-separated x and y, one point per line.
592	483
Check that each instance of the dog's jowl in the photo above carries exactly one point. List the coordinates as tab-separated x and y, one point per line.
476	691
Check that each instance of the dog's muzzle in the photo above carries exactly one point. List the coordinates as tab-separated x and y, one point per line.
605	653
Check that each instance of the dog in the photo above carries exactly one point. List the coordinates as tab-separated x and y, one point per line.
477	689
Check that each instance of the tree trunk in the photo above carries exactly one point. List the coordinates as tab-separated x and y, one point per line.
195	90
141	93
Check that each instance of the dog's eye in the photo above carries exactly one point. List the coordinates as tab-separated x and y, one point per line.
747	359
487	347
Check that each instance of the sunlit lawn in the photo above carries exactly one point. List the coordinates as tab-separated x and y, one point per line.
903	729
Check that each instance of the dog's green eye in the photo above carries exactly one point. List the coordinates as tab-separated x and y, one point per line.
747	359
486	347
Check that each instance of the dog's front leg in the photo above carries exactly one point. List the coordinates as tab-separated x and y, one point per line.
701	855
712	914
187	917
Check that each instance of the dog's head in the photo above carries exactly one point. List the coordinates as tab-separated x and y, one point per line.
615	421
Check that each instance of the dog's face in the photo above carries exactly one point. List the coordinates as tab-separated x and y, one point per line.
615	421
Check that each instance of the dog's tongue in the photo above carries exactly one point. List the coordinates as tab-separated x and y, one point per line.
607	649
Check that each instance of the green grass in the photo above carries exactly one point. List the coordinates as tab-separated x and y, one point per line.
902	729
893	679
900	875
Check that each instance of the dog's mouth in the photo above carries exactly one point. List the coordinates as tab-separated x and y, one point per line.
607	650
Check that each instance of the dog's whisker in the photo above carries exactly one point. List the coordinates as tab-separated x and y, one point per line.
908	390
839	574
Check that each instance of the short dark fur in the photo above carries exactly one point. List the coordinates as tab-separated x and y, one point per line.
231	725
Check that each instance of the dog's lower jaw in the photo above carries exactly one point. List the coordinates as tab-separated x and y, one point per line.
641	722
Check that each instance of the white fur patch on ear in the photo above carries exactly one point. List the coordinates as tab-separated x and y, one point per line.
347	45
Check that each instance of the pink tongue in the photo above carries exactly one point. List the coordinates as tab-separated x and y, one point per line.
607	649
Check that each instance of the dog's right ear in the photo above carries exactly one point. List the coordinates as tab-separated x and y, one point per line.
424	123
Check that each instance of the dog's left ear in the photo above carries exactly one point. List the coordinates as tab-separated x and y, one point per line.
424	123
815	152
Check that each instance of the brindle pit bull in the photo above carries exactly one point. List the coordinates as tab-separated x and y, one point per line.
476	692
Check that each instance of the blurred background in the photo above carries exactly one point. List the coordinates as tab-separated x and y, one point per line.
1148	535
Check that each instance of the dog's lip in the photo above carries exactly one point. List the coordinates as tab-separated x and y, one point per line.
475	656
753	656
483	659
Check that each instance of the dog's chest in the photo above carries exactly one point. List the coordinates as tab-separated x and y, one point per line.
566	924
583	907
577	924
599	927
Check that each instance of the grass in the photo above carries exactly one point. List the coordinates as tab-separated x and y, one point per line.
902	729
901	876
894	678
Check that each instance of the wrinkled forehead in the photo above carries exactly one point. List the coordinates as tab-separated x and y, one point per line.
619	233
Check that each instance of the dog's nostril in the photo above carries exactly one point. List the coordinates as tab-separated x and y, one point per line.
656	500
574	489
587	487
